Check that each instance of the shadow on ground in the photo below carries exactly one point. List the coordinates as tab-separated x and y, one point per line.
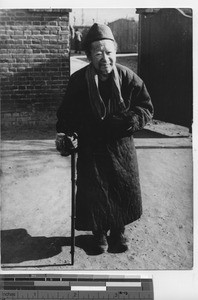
18	246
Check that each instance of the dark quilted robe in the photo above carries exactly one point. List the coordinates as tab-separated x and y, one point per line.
108	187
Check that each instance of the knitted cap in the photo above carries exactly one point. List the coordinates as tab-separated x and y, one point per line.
98	32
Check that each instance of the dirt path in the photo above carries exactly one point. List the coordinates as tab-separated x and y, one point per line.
36	207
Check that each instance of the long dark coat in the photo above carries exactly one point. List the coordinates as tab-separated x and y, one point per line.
108	187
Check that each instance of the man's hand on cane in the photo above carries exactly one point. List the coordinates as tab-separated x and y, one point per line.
66	144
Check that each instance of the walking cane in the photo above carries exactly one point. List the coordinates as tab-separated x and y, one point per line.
73	206
61	146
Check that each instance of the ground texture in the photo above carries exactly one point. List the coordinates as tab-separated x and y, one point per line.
36	198
36	202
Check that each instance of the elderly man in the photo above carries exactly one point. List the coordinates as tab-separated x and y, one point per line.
105	103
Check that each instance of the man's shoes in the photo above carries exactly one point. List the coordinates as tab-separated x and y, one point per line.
118	242
100	242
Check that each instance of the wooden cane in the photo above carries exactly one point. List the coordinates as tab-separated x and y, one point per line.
73	204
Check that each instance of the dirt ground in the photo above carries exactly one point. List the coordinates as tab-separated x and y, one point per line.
36	197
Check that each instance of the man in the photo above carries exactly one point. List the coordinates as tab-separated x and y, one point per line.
105	103
77	41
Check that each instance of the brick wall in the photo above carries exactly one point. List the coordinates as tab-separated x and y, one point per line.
34	65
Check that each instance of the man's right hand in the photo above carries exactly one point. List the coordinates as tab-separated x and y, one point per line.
72	141
66	144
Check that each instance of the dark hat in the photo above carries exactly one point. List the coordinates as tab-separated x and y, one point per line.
98	32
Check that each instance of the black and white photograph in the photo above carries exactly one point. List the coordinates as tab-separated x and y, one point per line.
96	139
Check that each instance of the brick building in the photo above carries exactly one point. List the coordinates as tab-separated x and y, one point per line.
34	64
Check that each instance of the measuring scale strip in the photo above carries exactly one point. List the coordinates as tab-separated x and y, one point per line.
25	287
51	294
71	285
44	277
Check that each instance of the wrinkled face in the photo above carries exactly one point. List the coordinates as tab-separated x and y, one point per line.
103	56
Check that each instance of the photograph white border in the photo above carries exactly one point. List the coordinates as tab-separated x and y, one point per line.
167	284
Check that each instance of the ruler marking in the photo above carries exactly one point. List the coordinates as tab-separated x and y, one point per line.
68	287
123	284
51	283
88	288
87	283
19	283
